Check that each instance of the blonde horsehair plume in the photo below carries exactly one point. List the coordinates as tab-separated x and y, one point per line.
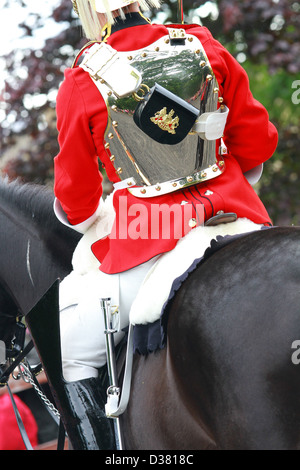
90	21
108	13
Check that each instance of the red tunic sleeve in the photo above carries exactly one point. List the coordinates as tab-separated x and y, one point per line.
249	135
81	114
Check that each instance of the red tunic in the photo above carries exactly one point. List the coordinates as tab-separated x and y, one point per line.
82	119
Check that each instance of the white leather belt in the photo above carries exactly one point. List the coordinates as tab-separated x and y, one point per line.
210	126
104	64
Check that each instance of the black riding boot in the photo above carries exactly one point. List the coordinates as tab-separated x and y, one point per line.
80	403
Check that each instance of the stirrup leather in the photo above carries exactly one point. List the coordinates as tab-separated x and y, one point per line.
117	400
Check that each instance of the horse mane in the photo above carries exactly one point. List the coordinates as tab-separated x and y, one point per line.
29	206
30	200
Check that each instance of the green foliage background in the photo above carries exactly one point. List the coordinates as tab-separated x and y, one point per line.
279	187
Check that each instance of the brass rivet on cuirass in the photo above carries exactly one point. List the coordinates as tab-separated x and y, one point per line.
157	49
209	77
112	158
129	57
190	179
192	222
203	174
143	191
202	63
190	39
110	136
114	123
119	171
106	146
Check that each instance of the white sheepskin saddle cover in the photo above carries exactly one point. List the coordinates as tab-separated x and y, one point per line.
156	287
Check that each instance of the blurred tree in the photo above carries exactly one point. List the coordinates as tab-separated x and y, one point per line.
28	132
264	35
279	186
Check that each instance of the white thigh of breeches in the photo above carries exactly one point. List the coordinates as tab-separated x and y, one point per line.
82	323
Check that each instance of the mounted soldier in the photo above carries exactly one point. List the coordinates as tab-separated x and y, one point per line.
169	114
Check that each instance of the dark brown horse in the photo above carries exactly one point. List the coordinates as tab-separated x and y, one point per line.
225	378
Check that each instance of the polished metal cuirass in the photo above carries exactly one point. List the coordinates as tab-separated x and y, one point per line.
182	67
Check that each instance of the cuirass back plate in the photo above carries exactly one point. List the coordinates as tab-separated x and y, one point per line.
184	70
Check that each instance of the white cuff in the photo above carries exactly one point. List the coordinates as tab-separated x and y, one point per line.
254	175
62	217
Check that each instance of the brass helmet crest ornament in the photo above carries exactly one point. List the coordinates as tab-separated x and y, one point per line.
75	7
180	12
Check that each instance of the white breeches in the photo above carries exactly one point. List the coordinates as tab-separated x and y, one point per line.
81	320
82	323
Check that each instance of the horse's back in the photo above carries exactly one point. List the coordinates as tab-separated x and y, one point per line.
231	330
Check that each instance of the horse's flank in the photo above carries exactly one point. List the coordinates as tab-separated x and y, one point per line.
226	379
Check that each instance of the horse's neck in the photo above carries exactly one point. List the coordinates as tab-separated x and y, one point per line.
36	248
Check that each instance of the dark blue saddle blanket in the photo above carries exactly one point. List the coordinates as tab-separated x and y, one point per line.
151	337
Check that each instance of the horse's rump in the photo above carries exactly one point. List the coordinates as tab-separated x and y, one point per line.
230	332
